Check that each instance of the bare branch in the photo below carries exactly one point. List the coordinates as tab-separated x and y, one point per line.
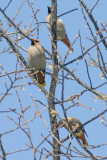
93	21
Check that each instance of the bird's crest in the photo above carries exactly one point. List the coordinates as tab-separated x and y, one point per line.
49	9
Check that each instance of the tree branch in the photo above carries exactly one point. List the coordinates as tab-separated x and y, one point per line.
53	120
94	22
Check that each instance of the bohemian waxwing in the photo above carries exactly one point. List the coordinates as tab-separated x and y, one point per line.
61	32
75	126
37	59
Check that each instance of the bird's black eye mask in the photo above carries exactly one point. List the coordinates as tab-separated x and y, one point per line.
49	9
32	42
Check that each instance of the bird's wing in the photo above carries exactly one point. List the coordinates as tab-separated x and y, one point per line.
60	25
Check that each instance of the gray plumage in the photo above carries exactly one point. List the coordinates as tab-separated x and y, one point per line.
74	126
37	60
36	57
61	31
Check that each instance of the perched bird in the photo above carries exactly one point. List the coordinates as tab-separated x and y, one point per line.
61	32
37	60
75	126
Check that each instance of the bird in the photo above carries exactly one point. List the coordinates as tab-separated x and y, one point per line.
37	60
75	126
61	31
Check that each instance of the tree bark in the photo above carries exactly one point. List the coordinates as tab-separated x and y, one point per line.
53	120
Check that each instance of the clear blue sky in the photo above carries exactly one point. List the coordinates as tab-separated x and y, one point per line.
74	22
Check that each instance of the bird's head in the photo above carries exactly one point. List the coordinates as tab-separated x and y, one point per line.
49	9
34	41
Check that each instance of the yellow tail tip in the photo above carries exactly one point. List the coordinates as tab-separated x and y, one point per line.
42	85
71	50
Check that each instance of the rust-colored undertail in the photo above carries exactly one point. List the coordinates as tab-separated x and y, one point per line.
82	137
66	41
41	79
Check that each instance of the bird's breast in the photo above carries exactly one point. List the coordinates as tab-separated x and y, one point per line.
48	20
36	57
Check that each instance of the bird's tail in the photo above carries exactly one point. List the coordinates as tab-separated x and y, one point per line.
82	137
66	41
41	79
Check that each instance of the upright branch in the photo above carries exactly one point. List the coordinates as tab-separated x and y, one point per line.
53	120
2	150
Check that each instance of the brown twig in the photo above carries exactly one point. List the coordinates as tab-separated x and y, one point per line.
80	57
2	149
94	22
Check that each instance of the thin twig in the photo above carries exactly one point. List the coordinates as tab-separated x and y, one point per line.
68	12
94	22
80	57
94	5
92	119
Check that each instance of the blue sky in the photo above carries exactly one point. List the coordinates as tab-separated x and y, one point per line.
74	23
